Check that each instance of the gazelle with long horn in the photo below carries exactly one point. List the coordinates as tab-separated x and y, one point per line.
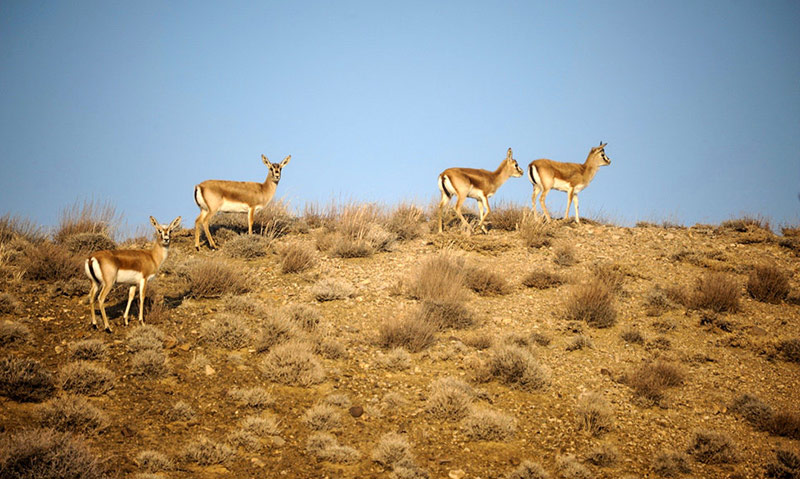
570	177
475	183
126	266
234	196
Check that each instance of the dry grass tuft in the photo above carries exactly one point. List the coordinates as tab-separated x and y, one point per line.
292	363
543	280
325	447
479	341
409	332
87	349
305	316
593	303
671	464
754	410
603	455
565	256
392	449
529	470
12	332
535	233
149	363
50	262
153	461
72	414
570	468
274	220
331	289
15	227
746	223
47	454
651	380
255	397
8	304
247	247
658	302
90	217
297	257
445	314
485	282
145	338
790	349
407	222
515	367
633	335
439	278
786	424
712	447
25	380
205	452
768	284
87	243
718	292
264	425
323	417
274	331
181	411
488	425
213	279
507	216
579	342
226	331
594	413
612	275
785	466
82	377
449	398
397	359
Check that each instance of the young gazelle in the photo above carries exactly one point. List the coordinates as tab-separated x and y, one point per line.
474	183
570	177
127	266
234	196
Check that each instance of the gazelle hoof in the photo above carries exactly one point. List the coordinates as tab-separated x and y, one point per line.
108	330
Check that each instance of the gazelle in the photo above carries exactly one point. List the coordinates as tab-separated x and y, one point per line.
570	177
475	183
127	266
235	196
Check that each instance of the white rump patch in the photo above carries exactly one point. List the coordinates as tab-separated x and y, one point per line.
127	276
198	197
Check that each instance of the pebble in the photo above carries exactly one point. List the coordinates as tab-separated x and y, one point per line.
456	474
356	411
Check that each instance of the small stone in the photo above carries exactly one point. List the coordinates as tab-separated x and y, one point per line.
278	441
209	370
456	474
356	411
258	462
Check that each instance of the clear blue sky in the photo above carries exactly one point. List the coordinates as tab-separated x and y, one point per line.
136	102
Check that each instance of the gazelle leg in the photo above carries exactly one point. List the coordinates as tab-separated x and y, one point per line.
485	202
142	283
101	301
536	191
570	193
131	294
92	296
464	221
250	214
577	218
197	225
442	205
544	207
208	233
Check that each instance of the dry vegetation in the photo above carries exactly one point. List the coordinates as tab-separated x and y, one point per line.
352	342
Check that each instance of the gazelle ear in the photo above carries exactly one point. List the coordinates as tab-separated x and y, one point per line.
175	223
509	154
265	160
154	222
603	145
286	161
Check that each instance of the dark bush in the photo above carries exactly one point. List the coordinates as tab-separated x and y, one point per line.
25	380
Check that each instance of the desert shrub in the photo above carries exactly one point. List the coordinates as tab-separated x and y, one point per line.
579	342
212	279
397	359
153	461
344	247
72	414
449	398
275	330
87	349
543	280
660	343
439	278
262	426
12	332
292	363
745	223
50	262
651	380
46	454
329	348
181	411
540	339
25	380
145	337
603	455
535	233
15	227
323	417
529	470
632	334
149	363
8	304
657	302
274	220
247	247
488	425
594	413
612	275
83	377
90	217
785	466
296	258
226	331
255	397
407	222
570	468
244	305
754	410
445	314
245	439
330	289
671	464
515	367
507	216
718	292
712	447
479	341
564	256
325	447
392	448
87	243
593	303
205	452
305	316
768	284
786	424
790	349
484	281
409	332
337	399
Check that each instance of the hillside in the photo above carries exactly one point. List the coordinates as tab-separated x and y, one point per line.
592	351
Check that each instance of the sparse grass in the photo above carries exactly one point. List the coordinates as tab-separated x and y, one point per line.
718	292
213	278
338	399
785	466
226	331
479	341
145	338
603	455
87	243
87	349
244	305
746	223
612	275
407	222
297	257
439	278
274	220
445	314
305	316
487	425
449	398
712	447
485	282
540	339
331	289
409	332
535	233
264	425
515	367
246	439
790	349
89	217
47	454
255	397
247	247
15	227
564	256
83	377
579	342
651	380
25	380
786	424
594	413
754	410
543	280
153	461
397	359
507	216
657	302
768	284
570	468
632	334
8	304
71	414
149	363
292	363
325	447
344	247
205	452
50	262
12	332
593	303
181	411
671	464
529	470
392	448
660	343
323	417
275	330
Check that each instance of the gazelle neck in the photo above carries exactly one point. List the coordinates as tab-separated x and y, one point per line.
159	252
502	173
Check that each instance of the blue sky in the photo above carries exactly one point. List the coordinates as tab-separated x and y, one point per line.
136	102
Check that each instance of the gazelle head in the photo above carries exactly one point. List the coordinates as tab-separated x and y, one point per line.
511	164
275	168
163	231
598	155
